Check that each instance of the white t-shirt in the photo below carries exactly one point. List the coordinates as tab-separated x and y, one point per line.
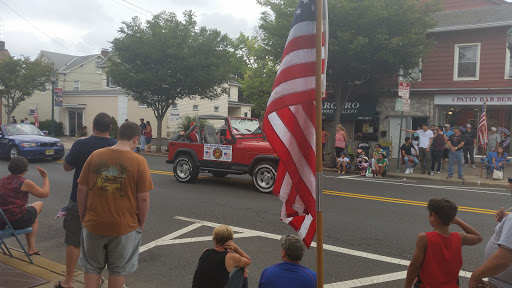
502	237
343	159
425	138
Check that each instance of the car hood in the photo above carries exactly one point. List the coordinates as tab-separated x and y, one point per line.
262	147
34	138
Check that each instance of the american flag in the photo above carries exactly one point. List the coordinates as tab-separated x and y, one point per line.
36	119
290	121
482	127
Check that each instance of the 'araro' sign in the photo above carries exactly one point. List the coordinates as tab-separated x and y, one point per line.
477	99
362	107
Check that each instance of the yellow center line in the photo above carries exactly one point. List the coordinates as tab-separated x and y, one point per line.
343	194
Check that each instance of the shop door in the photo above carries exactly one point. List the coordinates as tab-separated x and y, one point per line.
75	122
394	132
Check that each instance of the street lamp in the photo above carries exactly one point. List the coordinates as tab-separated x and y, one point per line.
53	79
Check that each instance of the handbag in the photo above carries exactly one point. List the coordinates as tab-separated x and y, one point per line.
497	174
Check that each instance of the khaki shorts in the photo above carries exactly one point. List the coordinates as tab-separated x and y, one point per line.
120	254
72	225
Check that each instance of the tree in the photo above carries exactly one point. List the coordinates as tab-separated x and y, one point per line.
369	41
114	129
20	79
167	60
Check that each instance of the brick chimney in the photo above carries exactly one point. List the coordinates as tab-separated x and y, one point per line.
105	52
2	45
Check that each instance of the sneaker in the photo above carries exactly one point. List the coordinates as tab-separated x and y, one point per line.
342	172
432	173
339	172
461	178
473	166
448	177
465	165
438	172
411	171
407	171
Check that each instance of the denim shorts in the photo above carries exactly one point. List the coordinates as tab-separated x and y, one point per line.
119	253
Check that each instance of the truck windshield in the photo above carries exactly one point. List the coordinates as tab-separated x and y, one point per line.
245	126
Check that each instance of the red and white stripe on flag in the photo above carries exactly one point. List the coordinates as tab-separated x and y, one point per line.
482	128
36	119
289	121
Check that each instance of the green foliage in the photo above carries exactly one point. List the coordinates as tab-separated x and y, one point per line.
186	120
47	125
165	60
19	79
115	128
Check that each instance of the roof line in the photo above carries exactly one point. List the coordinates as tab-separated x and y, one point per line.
474	26
76	57
92	58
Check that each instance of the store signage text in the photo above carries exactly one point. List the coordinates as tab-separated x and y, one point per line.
469	99
473	99
349	108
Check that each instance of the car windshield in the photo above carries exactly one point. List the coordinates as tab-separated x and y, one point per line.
245	126
22	129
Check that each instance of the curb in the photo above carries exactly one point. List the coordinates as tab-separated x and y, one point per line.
465	182
42	268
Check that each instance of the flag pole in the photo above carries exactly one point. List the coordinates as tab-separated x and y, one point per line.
319	189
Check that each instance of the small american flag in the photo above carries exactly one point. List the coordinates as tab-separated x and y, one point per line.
482	127
290	121
36	119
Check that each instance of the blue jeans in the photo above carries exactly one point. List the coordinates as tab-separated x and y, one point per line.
142	142
408	158
452	156
237	279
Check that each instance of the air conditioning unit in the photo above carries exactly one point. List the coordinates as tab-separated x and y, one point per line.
31	111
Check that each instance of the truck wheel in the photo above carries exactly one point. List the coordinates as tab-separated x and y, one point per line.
185	170
264	177
219	174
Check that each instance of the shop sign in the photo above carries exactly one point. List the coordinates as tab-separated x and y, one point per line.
174	115
404	89
361	107
58	97
477	99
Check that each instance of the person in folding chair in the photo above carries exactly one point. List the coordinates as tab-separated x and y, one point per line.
14	192
497	162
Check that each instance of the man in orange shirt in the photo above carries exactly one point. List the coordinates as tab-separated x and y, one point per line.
113	202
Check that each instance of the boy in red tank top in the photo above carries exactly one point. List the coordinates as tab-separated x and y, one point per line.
437	260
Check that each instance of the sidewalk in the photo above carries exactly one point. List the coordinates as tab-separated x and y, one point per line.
47	270
68	142
471	176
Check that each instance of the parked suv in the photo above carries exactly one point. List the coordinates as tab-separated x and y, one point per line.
226	145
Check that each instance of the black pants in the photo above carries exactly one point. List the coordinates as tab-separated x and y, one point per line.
469	150
436	159
339	150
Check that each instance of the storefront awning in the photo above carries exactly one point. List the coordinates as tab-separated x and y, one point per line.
358	107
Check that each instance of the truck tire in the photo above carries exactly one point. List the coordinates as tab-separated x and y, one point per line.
185	170
264	176
219	174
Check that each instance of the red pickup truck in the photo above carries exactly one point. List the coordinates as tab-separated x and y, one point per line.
226	145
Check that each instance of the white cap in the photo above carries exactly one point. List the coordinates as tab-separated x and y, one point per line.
447	125
468	125
494	129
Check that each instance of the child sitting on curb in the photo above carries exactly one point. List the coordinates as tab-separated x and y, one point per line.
364	166
438	255
343	161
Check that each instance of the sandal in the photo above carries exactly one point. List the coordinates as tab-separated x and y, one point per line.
38	253
59	285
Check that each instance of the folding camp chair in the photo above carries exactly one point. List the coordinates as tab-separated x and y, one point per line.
9	232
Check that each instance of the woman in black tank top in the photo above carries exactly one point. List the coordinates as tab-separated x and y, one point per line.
212	272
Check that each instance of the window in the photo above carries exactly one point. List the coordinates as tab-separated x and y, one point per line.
215	108
76	85
110	84
467	62
508	64
141	105
367	130
414	75
195	107
246	114
174	106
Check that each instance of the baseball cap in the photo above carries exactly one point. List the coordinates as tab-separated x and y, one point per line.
293	247
447	125
468	125
494	129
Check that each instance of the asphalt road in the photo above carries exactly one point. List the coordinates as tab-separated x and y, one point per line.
370	225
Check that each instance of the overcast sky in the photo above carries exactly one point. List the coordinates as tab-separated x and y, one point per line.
84	27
